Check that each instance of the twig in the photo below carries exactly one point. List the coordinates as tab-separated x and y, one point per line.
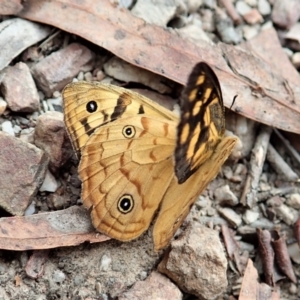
290	149
279	165
257	160
277	191
232	11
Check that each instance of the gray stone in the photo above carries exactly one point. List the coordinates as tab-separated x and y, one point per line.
19	90
286	13
22	170
264	7
197	262
59	68
231	216
7	127
224	195
156	286
50	127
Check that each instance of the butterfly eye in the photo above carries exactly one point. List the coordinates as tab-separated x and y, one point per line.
125	204
129	132
91	106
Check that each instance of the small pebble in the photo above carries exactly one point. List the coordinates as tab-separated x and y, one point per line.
288	52
224	195
88	76
8	128
296	60
3	106
242	7
98	288
264	7
80	76
250	216
294	201
143	275
293	289
294	252
58	276
231	216
105	263
287	214
79	279
30	210
27	134
253	17
50	184
56	94
17	129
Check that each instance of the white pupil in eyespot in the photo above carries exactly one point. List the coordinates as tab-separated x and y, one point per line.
128	131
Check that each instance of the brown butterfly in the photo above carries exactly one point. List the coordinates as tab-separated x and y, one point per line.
139	160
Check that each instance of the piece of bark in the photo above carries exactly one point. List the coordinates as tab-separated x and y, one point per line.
267	255
282	256
257	160
68	227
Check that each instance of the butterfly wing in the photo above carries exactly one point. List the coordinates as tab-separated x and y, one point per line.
201	149
202	123
179	198
126	167
89	105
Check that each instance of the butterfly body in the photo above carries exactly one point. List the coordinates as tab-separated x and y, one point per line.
139	160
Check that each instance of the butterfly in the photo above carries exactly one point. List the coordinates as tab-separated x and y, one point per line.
140	162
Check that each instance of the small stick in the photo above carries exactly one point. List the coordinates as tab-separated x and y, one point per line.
277	191
232	11
279	165
257	160
291	150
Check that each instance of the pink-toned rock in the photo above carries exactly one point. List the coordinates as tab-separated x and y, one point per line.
59	68
51	136
253	17
285	13
156	286
197	262
19	90
22	171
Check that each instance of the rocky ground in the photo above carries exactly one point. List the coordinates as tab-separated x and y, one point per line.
213	251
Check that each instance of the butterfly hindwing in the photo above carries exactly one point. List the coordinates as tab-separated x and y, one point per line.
125	176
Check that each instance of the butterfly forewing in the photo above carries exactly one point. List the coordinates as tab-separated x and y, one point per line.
202	123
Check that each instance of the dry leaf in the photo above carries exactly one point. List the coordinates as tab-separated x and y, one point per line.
68	227
274	99
249	289
232	247
282	256
267	255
